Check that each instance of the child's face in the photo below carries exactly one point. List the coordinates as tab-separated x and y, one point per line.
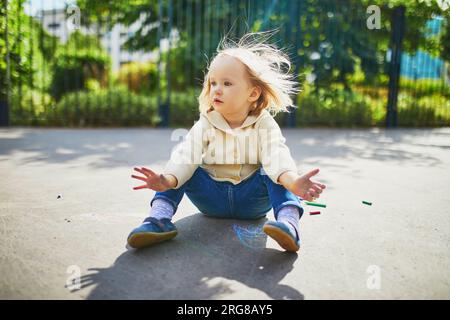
231	92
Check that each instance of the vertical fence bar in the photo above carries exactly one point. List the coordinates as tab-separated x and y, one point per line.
88	112
114	97
233	18
4	104
197	39
177	99
189	42
100	33
206	30
161	107
241	18
109	72
168	71
19	62
43	50
158	43
215	25
293	34
66	81
187	55
76	85
127	69
54	39
248	16
210	22
30	57
398	25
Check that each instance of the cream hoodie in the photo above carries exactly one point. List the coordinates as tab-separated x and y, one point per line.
231	154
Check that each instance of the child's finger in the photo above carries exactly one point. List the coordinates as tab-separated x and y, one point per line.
316	188
312	192
312	173
148	171
140	178
319	184
308	197
140	187
141	171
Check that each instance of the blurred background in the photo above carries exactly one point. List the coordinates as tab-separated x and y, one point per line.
122	63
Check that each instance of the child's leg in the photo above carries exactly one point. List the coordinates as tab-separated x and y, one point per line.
280	197
161	209
288	211
251	198
208	195
258	194
165	204
158	226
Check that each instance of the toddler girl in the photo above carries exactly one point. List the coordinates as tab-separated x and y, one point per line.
234	162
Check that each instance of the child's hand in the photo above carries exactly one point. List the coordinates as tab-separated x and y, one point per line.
153	181
307	189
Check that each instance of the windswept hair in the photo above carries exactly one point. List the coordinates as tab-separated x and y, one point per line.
267	67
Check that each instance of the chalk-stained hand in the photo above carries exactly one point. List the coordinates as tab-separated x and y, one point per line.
307	189
152	180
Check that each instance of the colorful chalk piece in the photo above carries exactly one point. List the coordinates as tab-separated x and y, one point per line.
315	204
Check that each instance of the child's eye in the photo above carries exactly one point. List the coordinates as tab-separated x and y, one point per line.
213	83
227	83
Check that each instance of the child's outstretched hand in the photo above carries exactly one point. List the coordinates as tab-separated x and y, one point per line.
308	190
157	182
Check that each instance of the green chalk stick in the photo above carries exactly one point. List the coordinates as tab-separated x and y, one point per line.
315	204
368	203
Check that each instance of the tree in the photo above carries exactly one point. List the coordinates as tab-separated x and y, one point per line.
328	37
12	53
80	59
31	49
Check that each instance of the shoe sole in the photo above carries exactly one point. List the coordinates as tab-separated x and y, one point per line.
284	240
144	239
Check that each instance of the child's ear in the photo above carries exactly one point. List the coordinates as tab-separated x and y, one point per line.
254	95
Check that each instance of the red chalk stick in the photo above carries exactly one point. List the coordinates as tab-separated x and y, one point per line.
314	212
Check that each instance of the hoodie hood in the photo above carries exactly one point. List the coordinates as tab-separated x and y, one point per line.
218	121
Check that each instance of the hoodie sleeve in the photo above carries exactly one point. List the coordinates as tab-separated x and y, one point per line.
275	155
187	155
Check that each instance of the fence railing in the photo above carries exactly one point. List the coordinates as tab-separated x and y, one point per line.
141	63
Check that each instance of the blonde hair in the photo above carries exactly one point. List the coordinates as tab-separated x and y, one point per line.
264	64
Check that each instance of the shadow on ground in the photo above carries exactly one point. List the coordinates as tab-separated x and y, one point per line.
124	147
205	249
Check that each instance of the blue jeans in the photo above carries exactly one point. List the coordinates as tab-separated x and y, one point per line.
250	199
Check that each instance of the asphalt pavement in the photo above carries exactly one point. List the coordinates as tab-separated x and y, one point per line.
67	207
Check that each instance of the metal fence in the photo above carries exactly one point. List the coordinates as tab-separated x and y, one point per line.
133	63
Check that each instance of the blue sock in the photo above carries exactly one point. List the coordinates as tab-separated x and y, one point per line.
162	209
290	216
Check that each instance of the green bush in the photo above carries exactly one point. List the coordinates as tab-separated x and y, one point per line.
338	108
139	77
116	107
184	108
30	107
424	87
121	107
72	70
183	66
428	111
